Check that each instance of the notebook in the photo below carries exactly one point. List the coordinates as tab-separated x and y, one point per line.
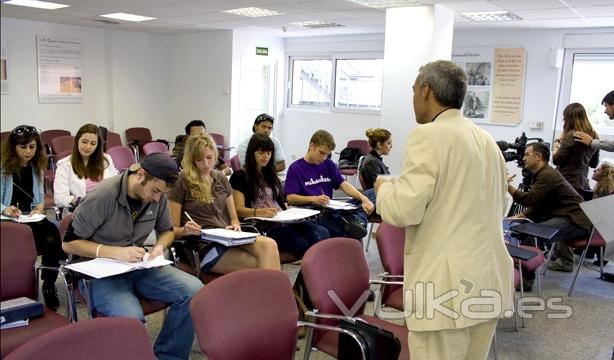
102	267
290	215
228	237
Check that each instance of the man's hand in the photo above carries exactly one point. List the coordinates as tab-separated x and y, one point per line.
158	250
266	212
510	178
190	228
127	254
321	200
583	137
367	206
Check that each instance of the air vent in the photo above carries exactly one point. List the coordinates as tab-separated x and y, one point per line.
317	24
108	22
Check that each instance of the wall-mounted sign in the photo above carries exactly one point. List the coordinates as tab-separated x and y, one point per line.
60	71
262	51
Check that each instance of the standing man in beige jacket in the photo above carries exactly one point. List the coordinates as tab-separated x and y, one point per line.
450	199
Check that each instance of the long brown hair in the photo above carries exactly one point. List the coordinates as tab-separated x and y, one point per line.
575	119
22	135
96	163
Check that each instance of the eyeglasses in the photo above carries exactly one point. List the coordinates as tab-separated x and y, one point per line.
24	129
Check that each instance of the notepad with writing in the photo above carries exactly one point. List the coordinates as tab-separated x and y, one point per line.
228	237
340	205
292	214
25	218
103	267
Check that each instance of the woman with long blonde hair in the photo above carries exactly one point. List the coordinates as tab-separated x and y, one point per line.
573	158
206	195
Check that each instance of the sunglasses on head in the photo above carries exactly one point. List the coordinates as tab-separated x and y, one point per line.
24	129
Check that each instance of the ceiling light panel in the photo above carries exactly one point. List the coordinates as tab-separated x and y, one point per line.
36	4
317	24
382	4
252	12
484	16
128	17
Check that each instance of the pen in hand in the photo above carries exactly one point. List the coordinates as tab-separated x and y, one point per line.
194	229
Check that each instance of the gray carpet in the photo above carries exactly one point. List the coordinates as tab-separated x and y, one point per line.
587	334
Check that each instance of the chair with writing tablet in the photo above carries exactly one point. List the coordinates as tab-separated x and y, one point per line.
73	292
96	339
122	157
19	278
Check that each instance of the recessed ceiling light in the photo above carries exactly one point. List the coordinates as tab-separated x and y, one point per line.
380	4
252	12
128	17
317	24
36	4
482	16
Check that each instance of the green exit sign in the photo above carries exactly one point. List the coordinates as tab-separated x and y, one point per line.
262	51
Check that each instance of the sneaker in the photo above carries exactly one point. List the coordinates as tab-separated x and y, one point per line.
356	230
559	266
51	297
527	285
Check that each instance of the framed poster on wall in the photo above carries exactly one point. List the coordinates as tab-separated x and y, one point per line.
60	77
495	79
4	72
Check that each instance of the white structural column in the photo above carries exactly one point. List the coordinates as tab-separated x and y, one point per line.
414	37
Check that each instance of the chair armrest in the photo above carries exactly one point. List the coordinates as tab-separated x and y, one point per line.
383	282
312	326
385	275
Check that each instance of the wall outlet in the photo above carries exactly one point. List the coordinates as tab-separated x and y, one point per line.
537	124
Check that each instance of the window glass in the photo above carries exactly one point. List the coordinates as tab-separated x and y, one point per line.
358	83
311	82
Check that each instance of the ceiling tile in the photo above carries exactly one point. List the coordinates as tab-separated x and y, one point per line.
595	11
560	13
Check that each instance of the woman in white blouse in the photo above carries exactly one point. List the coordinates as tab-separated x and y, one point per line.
79	173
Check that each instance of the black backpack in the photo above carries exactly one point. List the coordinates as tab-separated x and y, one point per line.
348	158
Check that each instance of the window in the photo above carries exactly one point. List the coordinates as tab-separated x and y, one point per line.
353	83
587	78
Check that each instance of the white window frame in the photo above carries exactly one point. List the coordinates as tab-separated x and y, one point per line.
333	58
565	89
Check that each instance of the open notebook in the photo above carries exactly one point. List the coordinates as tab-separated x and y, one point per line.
103	267
292	214
228	237
25	218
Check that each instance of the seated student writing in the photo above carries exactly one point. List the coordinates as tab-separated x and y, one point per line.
311	181
196	127
205	195
257	192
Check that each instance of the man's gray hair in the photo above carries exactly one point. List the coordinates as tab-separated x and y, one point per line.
447	80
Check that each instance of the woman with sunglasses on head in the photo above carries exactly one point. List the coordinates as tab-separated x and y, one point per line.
257	192
23	162
79	173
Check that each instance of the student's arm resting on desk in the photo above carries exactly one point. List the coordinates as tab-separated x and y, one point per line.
350	190
403	202
232	212
295	199
189	228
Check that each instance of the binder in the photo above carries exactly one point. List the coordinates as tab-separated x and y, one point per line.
19	309
228	237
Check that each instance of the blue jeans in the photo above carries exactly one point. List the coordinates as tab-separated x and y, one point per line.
297	238
117	296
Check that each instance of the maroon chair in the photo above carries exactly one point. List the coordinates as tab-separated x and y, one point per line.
113	140
596	240
97	339
339	265
62	143
363	146
18	278
390	244
48	135
235	163
247	314
122	157
154	147
221	146
63	154
372	218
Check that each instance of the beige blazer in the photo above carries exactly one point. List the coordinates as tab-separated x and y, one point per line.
450	199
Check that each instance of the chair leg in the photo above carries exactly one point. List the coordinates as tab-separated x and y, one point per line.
515	311
601	262
549	257
573	282
370	226
521	293
308	342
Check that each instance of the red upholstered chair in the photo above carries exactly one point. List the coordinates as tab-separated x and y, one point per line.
595	240
221	145
364	147
235	163
372	218
390	244
247	314
154	147
339	265
62	143
48	135
98	339
113	140
19	278
122	157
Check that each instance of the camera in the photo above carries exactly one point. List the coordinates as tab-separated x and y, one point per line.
516	154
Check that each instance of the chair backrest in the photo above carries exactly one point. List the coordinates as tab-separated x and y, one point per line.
62	143
154	147
248	314
336	264
122	157
18	257
219	142
363	145
138	134
4	135
97	339
64	224
390	244
48	135
62	155
235	163
113	140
